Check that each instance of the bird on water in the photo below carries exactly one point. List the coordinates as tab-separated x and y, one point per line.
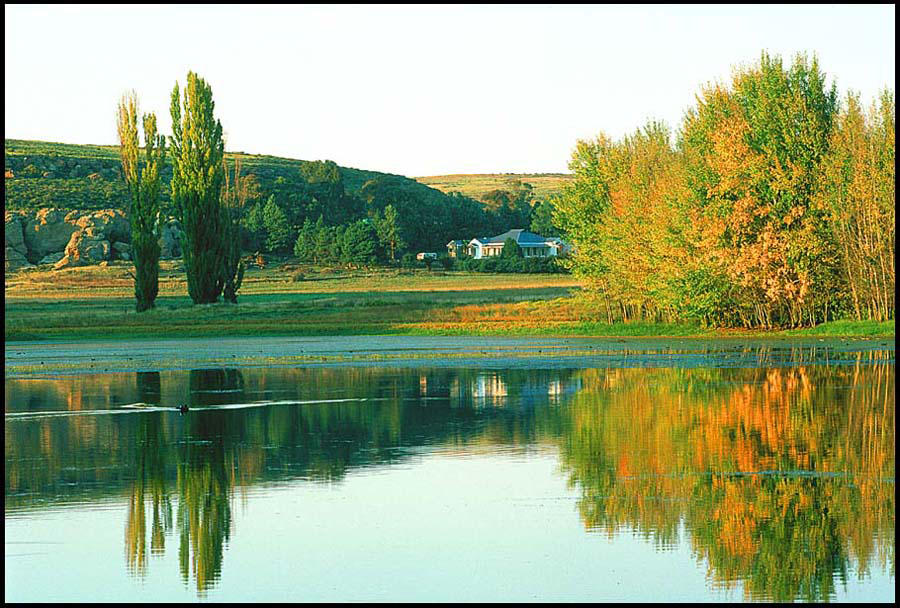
183	408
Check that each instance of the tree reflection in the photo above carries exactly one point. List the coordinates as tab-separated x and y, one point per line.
782	476
779	478
150	479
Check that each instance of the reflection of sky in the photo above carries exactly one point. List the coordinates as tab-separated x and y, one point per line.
493	527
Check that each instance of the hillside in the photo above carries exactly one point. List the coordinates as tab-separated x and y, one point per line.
477	184
74	176
44	175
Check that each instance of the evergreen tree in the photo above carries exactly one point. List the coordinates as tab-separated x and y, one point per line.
511	249
542	218
304	246
358	245
197	177
279	233
144	187
324	242
388	228
254	230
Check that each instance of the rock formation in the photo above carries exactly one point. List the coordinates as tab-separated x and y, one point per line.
77	238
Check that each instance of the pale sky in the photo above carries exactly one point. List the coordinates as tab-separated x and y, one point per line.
414	90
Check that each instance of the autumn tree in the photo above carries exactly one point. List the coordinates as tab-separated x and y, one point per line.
857	194
752	156
144	189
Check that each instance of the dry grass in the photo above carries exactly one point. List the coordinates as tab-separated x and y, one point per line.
115	280
477	185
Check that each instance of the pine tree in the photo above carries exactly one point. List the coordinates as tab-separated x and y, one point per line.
388	228
278	230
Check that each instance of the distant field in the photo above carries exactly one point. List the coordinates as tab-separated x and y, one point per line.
476	185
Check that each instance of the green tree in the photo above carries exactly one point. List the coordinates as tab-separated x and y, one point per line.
358	244
279	233
254	232
144	188
388	229
511	249
305	245
197	177
235	194
325	248
542	218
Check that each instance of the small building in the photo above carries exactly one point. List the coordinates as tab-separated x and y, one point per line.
533	245
456	249
423	255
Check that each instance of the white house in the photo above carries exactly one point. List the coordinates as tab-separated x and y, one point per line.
533	245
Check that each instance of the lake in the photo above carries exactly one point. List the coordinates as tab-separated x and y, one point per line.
581	470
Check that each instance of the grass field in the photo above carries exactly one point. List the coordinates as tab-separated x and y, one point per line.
97	302
476	185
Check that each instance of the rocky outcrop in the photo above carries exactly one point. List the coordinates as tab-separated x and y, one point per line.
16	251
112	224
52	258
121	250
48	231
77	238
170	240
86	247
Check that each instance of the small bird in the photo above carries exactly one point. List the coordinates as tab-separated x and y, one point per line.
183	408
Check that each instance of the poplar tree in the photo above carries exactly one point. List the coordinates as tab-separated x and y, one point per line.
235	195
198	174
143	187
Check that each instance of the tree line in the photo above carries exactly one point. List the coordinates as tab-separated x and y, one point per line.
774	206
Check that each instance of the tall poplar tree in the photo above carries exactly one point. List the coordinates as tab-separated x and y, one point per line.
235	195
144	187
198	174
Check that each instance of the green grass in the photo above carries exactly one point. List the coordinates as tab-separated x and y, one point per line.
847	328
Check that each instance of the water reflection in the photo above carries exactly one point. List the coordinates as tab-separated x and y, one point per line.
783	477
780	479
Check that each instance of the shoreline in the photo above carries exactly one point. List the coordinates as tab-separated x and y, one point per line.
66	357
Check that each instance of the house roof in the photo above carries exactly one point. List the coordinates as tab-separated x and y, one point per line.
520	236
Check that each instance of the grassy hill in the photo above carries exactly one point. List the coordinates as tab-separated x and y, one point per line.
476	185
73	176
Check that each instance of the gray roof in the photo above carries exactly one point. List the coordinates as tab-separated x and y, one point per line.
522	237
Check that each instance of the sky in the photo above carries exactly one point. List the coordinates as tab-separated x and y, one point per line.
415	90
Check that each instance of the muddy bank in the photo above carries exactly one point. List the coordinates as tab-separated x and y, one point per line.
45	358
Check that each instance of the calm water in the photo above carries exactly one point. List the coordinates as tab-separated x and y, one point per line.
706	483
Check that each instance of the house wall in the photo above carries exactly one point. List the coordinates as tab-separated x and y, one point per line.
531	251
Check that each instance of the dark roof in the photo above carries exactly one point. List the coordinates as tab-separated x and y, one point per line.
522	237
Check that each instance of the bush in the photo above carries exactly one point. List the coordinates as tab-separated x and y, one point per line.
409	261
514	265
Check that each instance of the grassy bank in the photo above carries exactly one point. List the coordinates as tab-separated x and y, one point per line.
97	303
